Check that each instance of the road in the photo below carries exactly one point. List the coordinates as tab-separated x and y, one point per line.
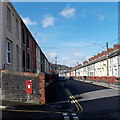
97	101
67	100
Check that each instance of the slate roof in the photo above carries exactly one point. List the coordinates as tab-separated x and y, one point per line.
110	55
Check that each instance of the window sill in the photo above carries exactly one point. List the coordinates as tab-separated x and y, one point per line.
23	44
8	63
9	29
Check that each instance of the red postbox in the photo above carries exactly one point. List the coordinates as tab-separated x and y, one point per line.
29	86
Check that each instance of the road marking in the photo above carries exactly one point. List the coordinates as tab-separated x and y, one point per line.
73	114
66	117
76	118
74	102
65	114
3	107
58	102
106	86
70	96
29	111
78	106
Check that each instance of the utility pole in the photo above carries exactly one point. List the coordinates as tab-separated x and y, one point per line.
107	63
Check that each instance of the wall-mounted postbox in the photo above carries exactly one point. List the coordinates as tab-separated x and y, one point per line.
29	86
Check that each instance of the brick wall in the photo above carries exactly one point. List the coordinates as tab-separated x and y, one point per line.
14	87
42	90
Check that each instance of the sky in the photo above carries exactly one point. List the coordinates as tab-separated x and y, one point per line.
72	32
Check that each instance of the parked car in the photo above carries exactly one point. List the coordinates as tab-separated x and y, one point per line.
62	79
71	78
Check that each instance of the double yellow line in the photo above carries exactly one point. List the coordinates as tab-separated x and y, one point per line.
74	101
106	86
33	111
95	83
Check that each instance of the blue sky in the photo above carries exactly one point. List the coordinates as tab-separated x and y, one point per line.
69	31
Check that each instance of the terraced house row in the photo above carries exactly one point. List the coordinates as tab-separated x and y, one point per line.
98	67
19	50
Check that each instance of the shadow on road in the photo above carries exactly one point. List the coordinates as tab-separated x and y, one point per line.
78	87
97	101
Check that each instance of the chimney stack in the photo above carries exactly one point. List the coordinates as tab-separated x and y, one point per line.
117	46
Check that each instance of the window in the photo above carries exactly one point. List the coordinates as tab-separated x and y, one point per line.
23	59
23	36
27	40
17	28
28	61
8	52
8	18
17	55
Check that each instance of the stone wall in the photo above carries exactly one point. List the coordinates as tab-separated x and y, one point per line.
14	87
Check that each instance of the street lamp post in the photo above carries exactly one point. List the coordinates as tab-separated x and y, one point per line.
107	61
56	64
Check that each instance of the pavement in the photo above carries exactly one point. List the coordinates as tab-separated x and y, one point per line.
97	101
59	106
100	83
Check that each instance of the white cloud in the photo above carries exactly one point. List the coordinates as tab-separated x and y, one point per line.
84	13
99	15
48	21
87	12
51	56
70	59
68	12
28	21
